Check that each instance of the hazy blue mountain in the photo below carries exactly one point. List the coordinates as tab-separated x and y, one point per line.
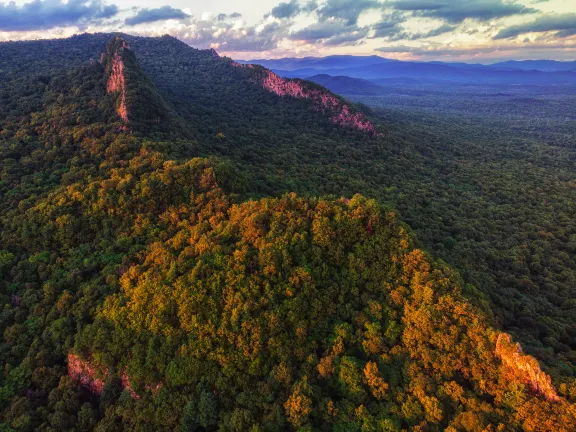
378	68
346	85
320	63
472	74
540	65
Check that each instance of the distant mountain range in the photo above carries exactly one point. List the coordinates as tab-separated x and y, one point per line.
540	65
347	85
377	68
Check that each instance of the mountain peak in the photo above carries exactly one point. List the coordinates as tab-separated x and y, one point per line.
136	98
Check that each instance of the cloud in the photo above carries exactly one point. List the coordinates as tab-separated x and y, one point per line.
564	25
224	17
286	10
48	14
159	14
352	38
293	8
330	33
347	10
456	11
389	26
443	29
228	36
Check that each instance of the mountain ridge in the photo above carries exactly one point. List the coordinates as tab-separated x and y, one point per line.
347	61
369	68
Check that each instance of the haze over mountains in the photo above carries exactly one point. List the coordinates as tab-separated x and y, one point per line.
375	67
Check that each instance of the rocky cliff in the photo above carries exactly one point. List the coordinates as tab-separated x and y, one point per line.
94	377
88	375
112	59
340	112
524	368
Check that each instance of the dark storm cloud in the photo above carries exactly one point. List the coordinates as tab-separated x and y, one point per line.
347	10
49	14
159	14
456	11
564	26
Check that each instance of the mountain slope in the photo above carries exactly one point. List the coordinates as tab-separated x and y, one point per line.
138	102
141	293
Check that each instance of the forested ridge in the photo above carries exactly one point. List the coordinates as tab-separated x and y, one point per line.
206	262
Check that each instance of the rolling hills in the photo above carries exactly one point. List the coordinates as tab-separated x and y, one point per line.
183	247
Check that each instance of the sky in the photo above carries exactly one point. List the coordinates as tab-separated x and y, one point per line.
481	31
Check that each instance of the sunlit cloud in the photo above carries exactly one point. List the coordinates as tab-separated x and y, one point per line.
467	29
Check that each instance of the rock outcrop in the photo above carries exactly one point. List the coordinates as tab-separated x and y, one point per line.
341	113
93	377
114	64
88	375
524	368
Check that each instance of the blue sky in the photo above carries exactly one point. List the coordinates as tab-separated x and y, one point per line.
449	30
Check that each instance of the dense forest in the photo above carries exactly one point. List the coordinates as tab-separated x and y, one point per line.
181	248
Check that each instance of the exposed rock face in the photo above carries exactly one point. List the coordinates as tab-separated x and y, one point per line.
116	80
524	368
125	379
94	377
87	374
341	113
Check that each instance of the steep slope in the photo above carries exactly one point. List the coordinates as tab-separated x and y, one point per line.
234	85
340	112
137	101
188	79
113	61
